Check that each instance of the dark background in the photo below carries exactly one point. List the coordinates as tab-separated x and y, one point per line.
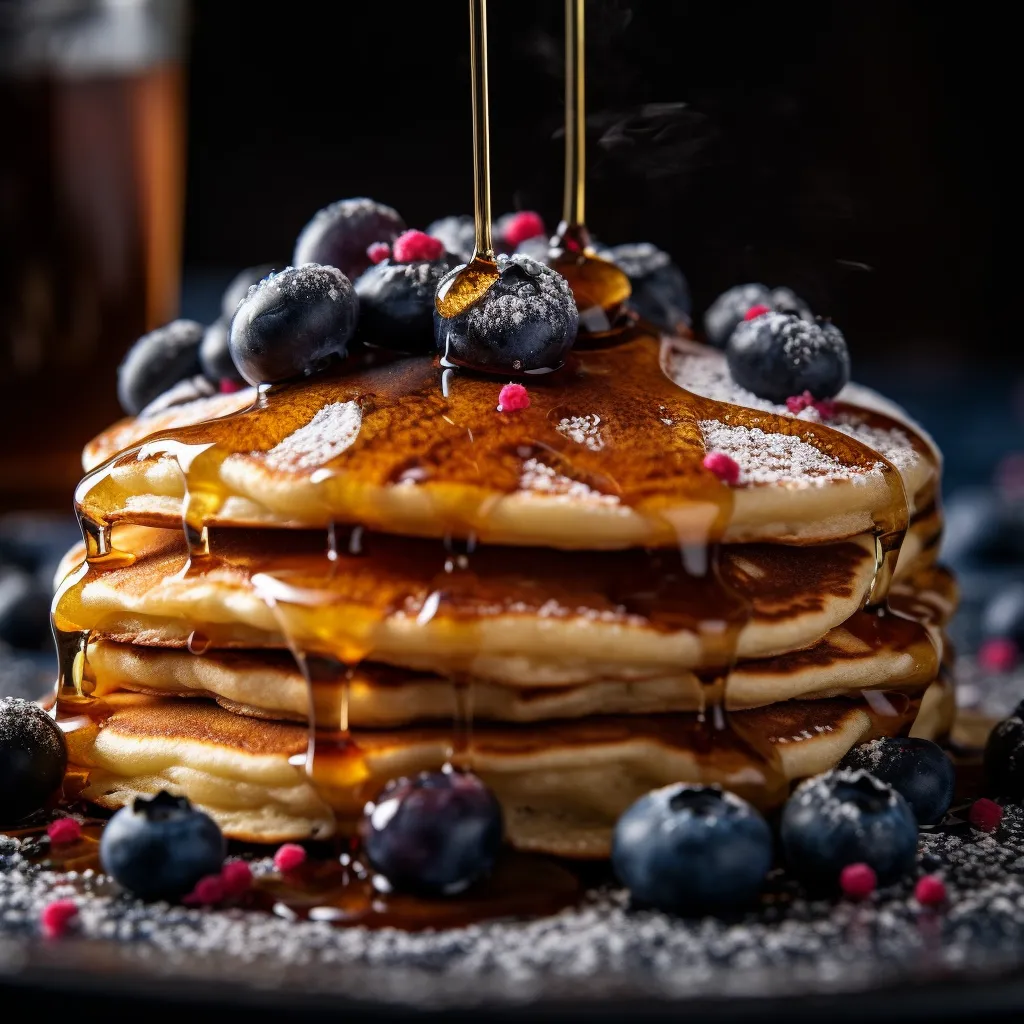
845	149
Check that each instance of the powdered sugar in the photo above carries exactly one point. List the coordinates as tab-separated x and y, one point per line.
774	458
585	430
705	373
542	479
333	429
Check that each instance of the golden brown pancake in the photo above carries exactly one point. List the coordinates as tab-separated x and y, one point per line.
571	614
609	455
561	785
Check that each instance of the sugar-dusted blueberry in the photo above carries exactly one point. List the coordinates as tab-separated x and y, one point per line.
33	757
159	847
339	234
917	769
728	310
238	287
660	291
435	834
690	849
1004	757
777	355
525	322
24	609
157	361
457	233
847	817
215	352
293	323
396	304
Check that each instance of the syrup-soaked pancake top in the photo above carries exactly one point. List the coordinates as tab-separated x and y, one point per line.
609	454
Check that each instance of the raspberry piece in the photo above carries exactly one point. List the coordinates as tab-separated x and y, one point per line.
826	408
416	245
229	387
930	891
208	891
522	226
236	876
998	654
797	403
858	881
56	917
289	857
985	815
756	311
512	397
726	468
378	252
64	830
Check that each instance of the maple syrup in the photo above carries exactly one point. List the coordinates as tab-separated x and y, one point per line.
600	288
474	280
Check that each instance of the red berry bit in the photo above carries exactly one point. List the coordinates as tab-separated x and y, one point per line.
416	245
229	387
999	654
64	830
825	407
513	397
236	877
858	881
522	226
726	468
289	857
930	891
756	311
985	815
378	252
208	892
57	917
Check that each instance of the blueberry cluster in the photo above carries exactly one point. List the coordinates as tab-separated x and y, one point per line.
690	849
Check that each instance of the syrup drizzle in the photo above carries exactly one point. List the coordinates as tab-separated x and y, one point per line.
468	286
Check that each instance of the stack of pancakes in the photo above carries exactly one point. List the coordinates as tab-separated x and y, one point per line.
379	572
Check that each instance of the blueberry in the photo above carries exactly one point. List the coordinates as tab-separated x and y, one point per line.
339	235
1004	757
777	355
292	323
239	285
458	233
845	817
215	352
1004	614
33	757
692	848
660	292
917	769
396	303
728	310
525	322
24	609
434	834
156	361
159	848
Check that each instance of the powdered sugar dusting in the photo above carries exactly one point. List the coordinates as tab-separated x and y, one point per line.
774	458
706	373
542	479
585	430
333	429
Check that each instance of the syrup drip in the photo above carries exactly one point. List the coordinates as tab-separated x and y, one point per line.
473	282
600	288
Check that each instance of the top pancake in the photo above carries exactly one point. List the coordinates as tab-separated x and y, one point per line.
609	455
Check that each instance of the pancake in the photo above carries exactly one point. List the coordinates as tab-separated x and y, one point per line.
864	653
573	615
561	786
609	455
